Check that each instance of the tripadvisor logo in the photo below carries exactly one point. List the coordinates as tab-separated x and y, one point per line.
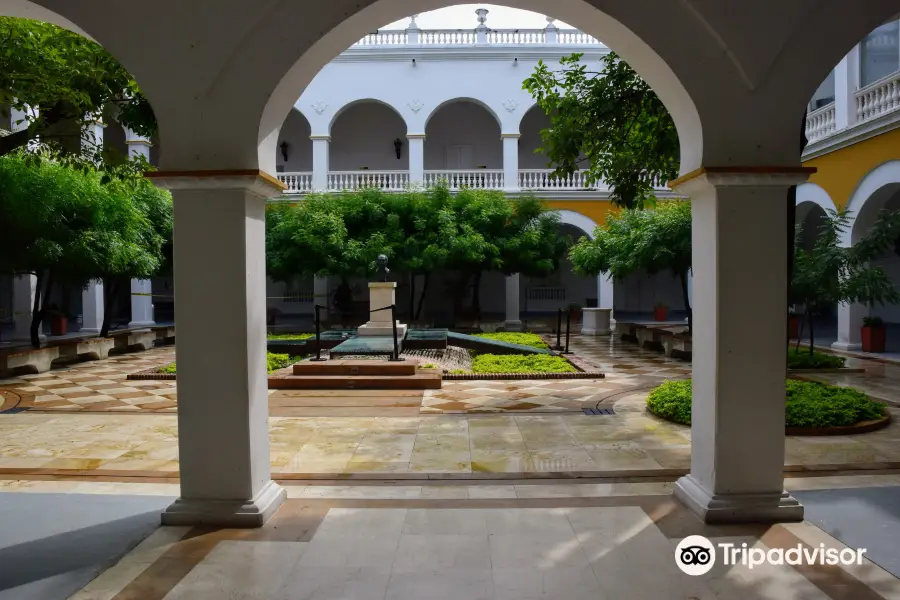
696	555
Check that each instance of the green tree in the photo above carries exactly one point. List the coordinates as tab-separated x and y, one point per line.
609	122
830	274
632	241
64	76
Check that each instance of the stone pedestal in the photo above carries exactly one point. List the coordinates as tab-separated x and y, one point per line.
381	294
596	321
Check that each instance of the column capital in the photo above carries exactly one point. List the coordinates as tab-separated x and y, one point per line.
253	180
415	136
755	176
510	136
326	138
131	138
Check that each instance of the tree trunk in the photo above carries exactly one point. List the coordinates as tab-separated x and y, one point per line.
108	296
412	293
476	296
37	313
422	297
687	301
812	334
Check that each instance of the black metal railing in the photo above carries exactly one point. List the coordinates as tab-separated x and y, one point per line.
559	347
395	356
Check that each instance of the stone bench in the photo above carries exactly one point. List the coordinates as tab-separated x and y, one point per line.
86	348
628	331
134	341
165	334
678	345
34	360
649	337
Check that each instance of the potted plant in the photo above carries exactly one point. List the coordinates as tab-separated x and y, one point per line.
575	311
793	324
660	311
874	334
59	321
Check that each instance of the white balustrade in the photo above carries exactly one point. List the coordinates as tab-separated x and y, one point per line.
878	98
546	294
447	37
820	123
577	38
297	183
543	179
516	36
468	37
455	179
390	181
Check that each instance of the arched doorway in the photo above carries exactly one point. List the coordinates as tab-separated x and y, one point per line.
463	146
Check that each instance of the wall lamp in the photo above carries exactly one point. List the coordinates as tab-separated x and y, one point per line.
284	149
515	62
414	62
398	148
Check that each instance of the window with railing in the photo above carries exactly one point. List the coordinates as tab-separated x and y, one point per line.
824	95
879	53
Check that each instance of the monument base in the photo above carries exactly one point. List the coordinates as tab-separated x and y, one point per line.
382	329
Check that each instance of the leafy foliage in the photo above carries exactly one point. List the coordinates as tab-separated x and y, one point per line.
830	274
521	363
65	76
808	404
609	122
801	359
523	339
273	363
169	369
290	336
635	240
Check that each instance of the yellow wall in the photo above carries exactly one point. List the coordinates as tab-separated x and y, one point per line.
839	172
594	209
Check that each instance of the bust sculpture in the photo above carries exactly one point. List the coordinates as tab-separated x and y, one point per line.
382	261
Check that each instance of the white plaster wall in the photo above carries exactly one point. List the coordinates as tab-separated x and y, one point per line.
296	132
363	136
463	124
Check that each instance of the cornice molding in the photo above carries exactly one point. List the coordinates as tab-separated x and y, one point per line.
473	53
854	134
738	176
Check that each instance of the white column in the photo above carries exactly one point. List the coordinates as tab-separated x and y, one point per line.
320	296
846	82
740	295
690	287
220	278
513	318
606	296
92	134
141	303
849	326
320	162
92	307
416	143
24	289
510	161
137	145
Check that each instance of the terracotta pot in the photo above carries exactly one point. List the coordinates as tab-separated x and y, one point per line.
660	313
575	315
59	325
793	327
874	338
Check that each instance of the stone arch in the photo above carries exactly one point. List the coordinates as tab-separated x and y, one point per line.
870	194
367	100
460	100
362	134
463	133
576	219
810	195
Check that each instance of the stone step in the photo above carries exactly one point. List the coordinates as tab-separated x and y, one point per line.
356	367
421	381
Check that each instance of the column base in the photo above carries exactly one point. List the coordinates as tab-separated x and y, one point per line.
226	513
737	508
89	330
512	325
133	324
847	346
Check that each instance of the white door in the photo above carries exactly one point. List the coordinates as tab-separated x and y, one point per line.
460	157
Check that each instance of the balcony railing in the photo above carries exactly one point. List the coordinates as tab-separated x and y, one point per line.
820	123
297	183
542	179
878	98
484	179
472	37
391	181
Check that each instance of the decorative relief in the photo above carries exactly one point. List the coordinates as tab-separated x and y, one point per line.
416	106
510	105
319	107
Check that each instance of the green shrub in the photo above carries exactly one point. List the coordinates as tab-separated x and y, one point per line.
523	339
801	359
458	372
521	363
273	363
290	336
808	404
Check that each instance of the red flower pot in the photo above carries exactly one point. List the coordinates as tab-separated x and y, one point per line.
660	313
873	339
793	327
59	325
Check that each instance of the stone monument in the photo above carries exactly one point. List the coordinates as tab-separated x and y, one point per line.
381	294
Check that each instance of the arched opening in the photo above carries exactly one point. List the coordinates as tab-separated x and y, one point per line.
294	150
364	136
463	135
530	139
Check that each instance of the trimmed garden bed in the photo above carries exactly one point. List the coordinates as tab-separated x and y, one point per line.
811	408
274	363
802	361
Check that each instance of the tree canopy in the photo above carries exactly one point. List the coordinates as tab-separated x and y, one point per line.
635	240
609	122
64	76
